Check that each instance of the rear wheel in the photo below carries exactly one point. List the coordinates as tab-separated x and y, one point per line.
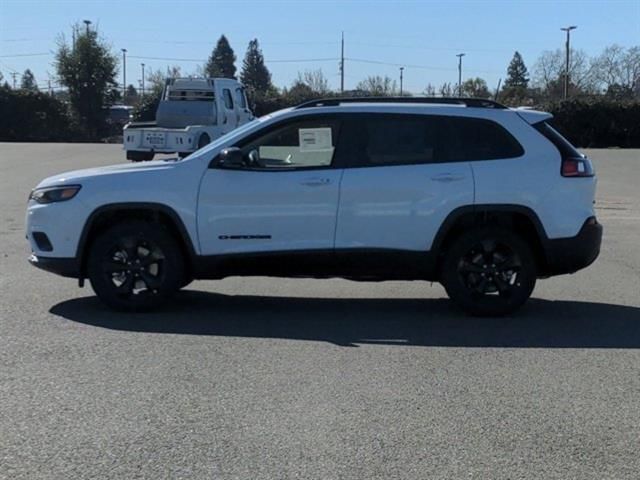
203	141
135	266
489	272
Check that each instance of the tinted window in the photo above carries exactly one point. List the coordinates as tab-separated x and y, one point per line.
376	140
228	101
299	144
472	139
391	140
562	144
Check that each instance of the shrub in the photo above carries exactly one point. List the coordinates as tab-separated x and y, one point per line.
33	116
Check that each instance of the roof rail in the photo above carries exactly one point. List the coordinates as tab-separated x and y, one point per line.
469	102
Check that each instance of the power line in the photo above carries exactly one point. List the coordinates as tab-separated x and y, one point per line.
200	60
26	55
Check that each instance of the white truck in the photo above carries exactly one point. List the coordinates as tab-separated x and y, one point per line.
192	113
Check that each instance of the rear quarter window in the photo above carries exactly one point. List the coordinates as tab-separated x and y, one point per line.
475	139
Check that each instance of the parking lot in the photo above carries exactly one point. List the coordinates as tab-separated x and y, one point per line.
262	378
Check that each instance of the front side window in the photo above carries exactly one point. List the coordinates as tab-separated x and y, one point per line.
228	101
240	99
300	144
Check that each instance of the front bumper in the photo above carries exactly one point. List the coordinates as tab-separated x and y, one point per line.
568	255
67	267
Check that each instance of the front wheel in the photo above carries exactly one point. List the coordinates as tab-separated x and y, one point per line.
489	272
135	266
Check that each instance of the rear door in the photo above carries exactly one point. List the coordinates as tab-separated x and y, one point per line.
397	187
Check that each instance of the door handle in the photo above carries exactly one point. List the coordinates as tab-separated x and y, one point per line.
316	182
447	177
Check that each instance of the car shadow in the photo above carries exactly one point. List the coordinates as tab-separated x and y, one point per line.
357	321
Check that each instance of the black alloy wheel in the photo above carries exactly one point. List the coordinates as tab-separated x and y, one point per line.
489	272
135	266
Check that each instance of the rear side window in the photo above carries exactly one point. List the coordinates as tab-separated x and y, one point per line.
473	139
390	139
562	144
377	140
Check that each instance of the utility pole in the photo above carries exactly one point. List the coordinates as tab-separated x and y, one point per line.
14	75
342	65
401	70
565	93
87	23
124	73
460	55
142	79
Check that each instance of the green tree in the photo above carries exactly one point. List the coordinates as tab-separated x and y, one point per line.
131	95
28	81
88	70
254	75
221	63
517	73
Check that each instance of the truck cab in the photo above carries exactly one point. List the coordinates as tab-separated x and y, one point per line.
192	113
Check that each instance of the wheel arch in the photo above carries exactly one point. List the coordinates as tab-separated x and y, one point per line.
103	217
521	219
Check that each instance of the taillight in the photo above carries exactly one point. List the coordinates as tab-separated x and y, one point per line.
577	167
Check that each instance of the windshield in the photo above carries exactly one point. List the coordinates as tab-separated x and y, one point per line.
231	136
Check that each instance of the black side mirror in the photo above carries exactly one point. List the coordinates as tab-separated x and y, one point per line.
230	158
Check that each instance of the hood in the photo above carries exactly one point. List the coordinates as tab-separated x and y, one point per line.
77	176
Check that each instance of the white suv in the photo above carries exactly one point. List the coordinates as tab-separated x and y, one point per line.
482	198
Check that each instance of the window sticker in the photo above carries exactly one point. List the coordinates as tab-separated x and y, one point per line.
315	139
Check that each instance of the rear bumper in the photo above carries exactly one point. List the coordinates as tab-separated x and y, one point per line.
67	267
568	255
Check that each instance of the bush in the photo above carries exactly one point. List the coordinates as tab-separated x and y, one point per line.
33	116
145	110
597	122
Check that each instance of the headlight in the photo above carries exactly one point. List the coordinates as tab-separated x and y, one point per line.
54	194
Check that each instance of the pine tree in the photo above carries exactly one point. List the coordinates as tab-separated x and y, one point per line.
221	62
28	81
255	76
517	74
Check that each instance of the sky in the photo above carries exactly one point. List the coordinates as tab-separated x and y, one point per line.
380	36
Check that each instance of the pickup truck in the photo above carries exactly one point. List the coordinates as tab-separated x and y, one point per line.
192	113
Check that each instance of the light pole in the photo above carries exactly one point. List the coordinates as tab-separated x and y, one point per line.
565	93
142	79
460	55
401	70
87	23
124	73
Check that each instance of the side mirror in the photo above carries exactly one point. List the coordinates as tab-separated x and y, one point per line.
230	158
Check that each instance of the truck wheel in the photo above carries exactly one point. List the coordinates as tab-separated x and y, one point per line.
204	140
489	272
135	266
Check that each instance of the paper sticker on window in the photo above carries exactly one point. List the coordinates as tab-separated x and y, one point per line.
315	139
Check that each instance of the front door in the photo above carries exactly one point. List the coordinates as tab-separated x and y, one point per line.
284	198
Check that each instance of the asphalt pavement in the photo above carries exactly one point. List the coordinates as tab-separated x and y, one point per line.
263	378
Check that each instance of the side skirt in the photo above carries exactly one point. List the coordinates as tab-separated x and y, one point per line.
355	264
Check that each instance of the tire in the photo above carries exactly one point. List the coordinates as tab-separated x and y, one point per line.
489	272
135	266
203	141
